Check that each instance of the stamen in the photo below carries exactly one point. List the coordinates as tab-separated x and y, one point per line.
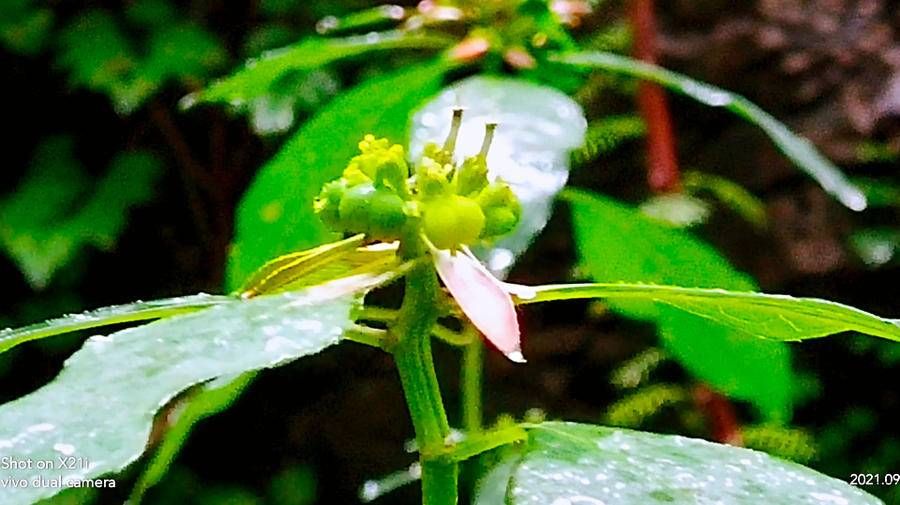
488	137
455	124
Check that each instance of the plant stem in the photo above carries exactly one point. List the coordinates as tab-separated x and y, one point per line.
472	367
662	161
415	365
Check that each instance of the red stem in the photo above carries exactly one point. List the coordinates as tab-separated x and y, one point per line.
662	162
663	176
720	414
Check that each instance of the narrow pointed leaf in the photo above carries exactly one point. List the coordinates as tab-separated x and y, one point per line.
101	411
260	75
580	464
798	149
538	127
106	316
775	317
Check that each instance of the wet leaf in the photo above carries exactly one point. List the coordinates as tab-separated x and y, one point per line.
799	150
774	317
538	127
260	75
276	215
106	316
100	412
579	464
617	243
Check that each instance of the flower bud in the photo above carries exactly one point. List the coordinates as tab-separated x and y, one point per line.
499	221
386	215
451	221
380	162
431	178
471	177
501	208
355	208
328	202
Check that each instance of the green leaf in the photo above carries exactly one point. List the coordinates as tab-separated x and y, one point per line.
617	243
183	51
106	316
24	27
578	464
213	398
100	408
774	317
798	149
276	214
731	194
96	53
52	216
538	126
605	135
259	76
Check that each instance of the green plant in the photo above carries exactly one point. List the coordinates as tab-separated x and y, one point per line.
413	212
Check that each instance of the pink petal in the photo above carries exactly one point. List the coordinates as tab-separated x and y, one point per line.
483	299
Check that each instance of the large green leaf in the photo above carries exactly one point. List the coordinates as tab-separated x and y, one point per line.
617	243
261	76
53	215
538	126
798	149
99	410
276	214
115	314
578	464
776	317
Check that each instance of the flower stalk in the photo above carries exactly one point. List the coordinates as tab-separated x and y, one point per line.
415	364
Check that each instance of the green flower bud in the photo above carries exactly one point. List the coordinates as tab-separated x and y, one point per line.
431	178
437	153
498	221
501	208
386	215
471	177
355	208
328	202
452	220
380	162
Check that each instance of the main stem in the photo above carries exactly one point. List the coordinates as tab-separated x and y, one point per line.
412	354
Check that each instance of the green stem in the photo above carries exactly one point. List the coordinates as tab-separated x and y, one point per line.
471	372
415	365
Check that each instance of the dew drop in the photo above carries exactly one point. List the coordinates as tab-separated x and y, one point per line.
36	428
64	449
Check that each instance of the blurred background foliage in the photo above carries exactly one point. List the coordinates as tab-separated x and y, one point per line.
127	162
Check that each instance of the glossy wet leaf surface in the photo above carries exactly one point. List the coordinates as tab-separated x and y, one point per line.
276	214
578	464
115	314
264	75
619	243
800	150
538	127
777	317
101	406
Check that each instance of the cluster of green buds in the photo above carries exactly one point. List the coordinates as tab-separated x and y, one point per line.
452	205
